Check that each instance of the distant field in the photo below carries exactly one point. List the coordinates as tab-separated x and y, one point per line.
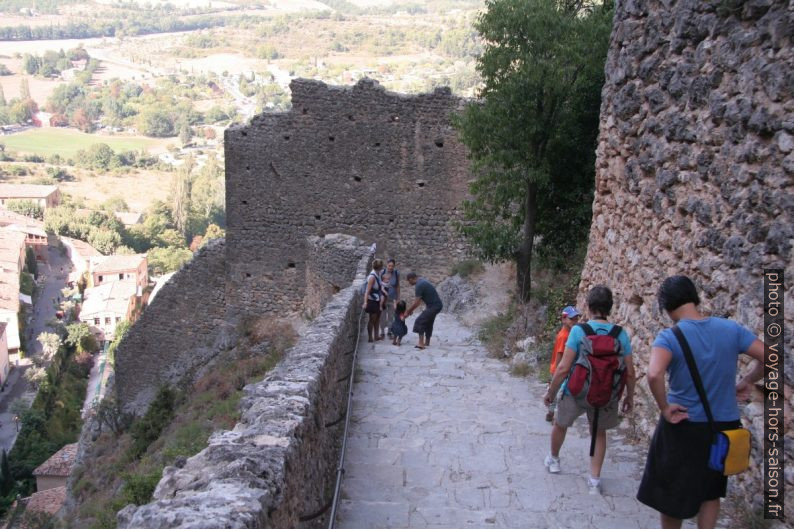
66	142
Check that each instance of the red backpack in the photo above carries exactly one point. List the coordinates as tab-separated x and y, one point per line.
598	376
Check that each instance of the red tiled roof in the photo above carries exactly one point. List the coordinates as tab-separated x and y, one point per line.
60	463
82	248
116	263
49	501
26	191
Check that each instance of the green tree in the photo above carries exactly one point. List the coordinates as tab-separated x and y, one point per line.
30	261
30	64
50	343
98	156
25	207
164	260
157	123
6	479
538	59
24	89
214	232
185	134
79	336
180	196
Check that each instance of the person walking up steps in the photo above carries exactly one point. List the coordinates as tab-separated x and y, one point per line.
425	293
569	318
678	481
599	304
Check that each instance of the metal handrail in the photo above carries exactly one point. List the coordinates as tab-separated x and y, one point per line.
340	470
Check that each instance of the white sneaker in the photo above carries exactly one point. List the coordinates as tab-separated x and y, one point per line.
552	463
595	486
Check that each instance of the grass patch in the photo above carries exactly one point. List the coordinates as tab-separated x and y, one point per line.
467	268
520	370
66	142
494	331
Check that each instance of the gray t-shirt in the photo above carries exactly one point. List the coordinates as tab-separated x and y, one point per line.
426	291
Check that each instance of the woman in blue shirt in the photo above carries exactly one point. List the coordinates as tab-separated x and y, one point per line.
677	481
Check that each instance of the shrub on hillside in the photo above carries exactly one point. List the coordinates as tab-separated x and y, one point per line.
147	429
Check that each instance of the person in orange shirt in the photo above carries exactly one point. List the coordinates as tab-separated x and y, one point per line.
569	317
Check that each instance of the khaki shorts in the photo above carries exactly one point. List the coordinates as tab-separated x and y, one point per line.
568	410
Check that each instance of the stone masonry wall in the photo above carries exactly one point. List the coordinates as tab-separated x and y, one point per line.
278	464
383	167
180	331
695	170
330	263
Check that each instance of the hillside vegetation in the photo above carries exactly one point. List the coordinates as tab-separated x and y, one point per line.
127	459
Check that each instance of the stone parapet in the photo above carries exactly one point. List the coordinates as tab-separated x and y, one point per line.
330	263
695	168
278	463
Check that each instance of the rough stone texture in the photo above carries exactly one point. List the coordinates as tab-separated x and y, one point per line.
278	463
330	263
695	169
179	332
380	166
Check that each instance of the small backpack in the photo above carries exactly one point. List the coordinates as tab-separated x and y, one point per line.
598	376
363	288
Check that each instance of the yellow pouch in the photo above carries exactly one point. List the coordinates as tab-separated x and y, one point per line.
738	457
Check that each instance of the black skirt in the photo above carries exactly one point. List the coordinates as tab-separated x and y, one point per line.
677	478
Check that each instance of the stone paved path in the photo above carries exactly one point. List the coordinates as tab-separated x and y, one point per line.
446	438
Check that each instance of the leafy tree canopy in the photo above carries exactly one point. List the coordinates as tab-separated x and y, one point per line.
542	70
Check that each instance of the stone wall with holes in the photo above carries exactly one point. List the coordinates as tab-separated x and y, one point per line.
695	170
384	167
179	332
330	263
277	467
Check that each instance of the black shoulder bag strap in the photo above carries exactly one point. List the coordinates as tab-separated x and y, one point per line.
693	371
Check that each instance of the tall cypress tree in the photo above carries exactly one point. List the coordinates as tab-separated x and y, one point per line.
6	479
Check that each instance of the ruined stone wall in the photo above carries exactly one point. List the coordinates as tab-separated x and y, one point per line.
179	332
279	462
383	167
330	263
695	170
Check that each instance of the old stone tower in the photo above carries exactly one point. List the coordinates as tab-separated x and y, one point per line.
695	170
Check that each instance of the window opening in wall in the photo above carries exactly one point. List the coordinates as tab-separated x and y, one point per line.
377	144
439	143
286	138
357	178
107	321
330	138
351	118
318	217
247	167
245	202
305	110
290	265
244	133
248	274
420	183
96	321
